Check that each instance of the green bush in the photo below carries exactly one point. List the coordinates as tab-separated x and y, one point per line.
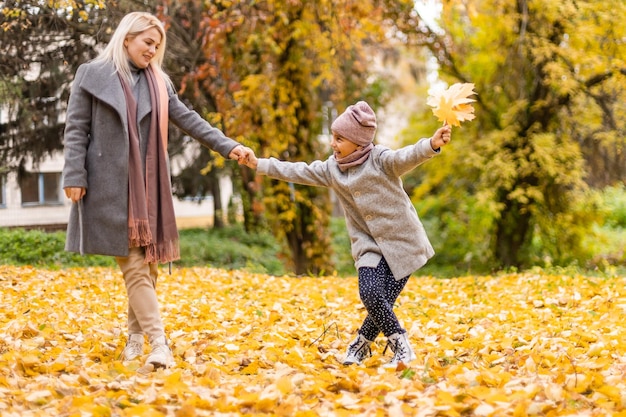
614	199
606	240
342	253
229	248
39	248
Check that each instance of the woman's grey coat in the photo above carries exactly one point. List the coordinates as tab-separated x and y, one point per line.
380	217
96	155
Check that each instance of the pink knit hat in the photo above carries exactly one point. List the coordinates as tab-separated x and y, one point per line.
357	124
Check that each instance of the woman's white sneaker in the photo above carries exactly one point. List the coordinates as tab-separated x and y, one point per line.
133	348
161	354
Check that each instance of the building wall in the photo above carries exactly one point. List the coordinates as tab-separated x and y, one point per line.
189	213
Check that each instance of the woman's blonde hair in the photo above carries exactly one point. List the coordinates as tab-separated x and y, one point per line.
131	26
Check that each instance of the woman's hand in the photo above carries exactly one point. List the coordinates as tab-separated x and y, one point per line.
75	193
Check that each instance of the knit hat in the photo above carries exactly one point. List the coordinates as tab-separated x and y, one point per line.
357	124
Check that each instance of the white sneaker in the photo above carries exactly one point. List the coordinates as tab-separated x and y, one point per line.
133	348
161	355
358	350
402	350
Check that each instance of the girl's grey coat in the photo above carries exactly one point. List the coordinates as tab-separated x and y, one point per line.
96	155
380	217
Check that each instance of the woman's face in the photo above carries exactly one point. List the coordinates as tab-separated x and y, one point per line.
143	47
342	146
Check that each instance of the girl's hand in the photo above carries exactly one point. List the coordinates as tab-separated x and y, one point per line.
252	161
441	137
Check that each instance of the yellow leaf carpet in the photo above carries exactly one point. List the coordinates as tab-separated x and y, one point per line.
527	344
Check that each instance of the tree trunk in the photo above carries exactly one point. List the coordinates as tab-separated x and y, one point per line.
307	237
511	232
252	201
218	213
296	240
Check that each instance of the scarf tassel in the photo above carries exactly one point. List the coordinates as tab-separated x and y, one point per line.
139	233
165	250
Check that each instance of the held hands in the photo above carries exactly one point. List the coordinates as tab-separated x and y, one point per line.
244	156
441	137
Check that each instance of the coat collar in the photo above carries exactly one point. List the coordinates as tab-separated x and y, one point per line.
102	81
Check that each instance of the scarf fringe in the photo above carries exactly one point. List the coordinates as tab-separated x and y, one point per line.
139	233
164	252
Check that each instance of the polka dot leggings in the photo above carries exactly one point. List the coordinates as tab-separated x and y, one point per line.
379	290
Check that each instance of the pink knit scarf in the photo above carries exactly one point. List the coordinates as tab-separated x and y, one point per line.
355	158
151	219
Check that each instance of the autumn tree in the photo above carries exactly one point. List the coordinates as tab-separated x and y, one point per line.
186	27
551	82
43	43
275	67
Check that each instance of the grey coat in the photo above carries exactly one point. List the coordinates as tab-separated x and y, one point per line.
380	217
96	155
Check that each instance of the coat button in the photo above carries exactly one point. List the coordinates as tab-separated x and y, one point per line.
368	217
357	194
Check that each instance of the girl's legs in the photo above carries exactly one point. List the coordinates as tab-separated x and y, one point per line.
379	290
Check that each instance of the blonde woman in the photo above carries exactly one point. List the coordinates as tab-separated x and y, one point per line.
117	168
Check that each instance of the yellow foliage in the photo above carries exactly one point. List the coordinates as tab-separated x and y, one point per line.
251	344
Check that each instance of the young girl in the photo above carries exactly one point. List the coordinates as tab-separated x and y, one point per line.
388	240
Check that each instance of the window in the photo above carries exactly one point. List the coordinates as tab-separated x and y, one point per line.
40	188
3	195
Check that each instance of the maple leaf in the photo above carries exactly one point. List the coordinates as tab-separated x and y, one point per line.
453	105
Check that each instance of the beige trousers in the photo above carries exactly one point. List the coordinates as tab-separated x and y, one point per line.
143	306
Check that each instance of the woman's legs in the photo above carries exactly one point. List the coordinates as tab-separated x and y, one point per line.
379	290
143	306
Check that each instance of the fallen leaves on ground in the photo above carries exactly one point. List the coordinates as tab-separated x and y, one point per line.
453	105
251	344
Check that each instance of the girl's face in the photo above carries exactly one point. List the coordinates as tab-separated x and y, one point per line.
143	47
342	146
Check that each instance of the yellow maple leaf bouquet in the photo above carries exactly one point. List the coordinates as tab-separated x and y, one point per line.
453	105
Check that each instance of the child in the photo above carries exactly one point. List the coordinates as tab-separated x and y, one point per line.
388	240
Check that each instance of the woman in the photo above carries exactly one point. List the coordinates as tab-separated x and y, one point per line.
117	168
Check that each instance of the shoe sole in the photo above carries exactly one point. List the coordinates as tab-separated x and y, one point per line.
158	365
